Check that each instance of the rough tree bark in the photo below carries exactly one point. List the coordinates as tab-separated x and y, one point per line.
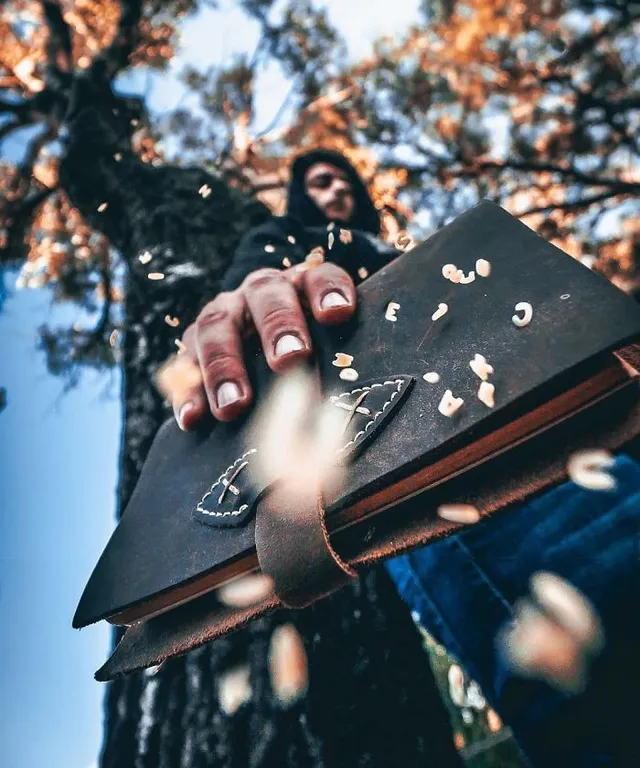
372	698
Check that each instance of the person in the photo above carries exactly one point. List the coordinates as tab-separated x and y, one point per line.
464	589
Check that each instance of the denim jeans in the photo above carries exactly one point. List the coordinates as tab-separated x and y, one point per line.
463	590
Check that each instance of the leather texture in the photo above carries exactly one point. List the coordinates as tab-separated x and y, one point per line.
577	318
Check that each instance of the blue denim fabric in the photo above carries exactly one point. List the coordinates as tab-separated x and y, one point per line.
463	590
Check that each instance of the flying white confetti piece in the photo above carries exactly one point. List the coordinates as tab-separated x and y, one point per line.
535	646
570	608
331	240
449	271
178	378
145	257
466	279
483	268
440	312
587	469
449	404
349	374
103	207
392	308
117	157
456	685
346	236
288	666
481	367
182	348
286	262
342	360
565	296
459	513
113	338
363	273
204	191
291	239
486	394
269	248
245	591
234	689
527	314
431	378
156	275
331	226
174	322
315	257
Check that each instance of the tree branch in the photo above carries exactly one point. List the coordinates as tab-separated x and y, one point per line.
584	202
59	51
116	56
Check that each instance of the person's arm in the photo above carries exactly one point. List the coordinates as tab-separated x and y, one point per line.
265	246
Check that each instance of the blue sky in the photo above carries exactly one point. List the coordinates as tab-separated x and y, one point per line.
59	455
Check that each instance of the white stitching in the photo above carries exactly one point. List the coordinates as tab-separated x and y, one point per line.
242	508
369	424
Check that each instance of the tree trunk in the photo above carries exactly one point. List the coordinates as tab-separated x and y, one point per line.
372	699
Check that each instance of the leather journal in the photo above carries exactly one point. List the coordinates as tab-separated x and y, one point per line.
485	357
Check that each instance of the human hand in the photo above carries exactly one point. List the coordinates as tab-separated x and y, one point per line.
269	302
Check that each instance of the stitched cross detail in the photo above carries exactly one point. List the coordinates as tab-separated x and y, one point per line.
228	484
352	408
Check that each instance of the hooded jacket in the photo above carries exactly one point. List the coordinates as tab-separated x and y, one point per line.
283	241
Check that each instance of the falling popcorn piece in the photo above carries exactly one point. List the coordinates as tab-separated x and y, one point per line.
291	239
570	608
440	312
459	513
481	367
465	280
349	374
145	258
535	646
174	322
204	191
527	314
178	377
431	378
234	689
392	308
315	257
404	242
449	271
246	591
449	404
102	207
346	236
586	468
269	248
156	275
483	267
288	666
342	360
286	262
331	240
363	273
486	394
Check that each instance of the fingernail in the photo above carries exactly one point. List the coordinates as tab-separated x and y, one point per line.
184	409
288	343
228	393
333	299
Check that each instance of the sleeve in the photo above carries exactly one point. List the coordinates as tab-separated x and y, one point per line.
264	246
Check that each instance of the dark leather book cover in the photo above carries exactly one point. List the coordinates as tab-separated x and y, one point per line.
174	530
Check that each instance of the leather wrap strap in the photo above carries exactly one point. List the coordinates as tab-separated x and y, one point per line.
294	549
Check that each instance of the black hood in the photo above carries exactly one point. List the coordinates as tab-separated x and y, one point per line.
302	208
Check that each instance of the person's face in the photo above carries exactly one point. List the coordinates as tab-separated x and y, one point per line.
330	189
